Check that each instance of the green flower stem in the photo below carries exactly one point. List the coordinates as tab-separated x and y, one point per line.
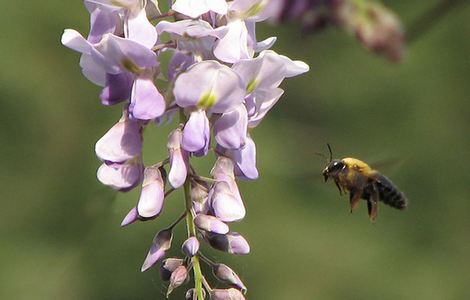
192	232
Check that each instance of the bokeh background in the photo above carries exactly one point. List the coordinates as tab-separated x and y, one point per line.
60	234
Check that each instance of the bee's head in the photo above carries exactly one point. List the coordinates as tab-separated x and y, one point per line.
333	168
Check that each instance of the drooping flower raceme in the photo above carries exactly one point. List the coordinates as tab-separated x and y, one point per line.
374	25
220	81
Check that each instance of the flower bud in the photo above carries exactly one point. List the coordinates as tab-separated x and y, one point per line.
210	224
223	170
191	294
230	294
199	196
130	218
231	242
198	191
161	243
178	159
178	277
152	195
376	27
168	266
190	246
225	204
227	275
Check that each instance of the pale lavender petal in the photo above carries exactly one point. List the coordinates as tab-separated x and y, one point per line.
122	177
225	274
125	54
234	45
195	132
210	224
74	40
267	70
203	152
294	67
209	85
230	129
253	43
121	143
264	72
190	246
195	8
101	22
146	101
152	195
168	266
116	4
160	244
118	88
140	29
179	159
131	217
226	294
225	205
265	44
178	168
177	278
153	256
238	244
245	160
264	100
254	10
232	242
223	170
92	71
191	28
179	63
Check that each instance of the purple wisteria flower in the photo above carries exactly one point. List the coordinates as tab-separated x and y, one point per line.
220	81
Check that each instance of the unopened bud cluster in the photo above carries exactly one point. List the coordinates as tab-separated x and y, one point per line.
376	27
199	62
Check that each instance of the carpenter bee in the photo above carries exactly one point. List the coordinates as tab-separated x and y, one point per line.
363	182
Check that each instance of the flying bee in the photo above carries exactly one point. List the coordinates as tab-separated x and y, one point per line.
362	182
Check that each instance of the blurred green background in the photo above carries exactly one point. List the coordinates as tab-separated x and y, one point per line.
60	234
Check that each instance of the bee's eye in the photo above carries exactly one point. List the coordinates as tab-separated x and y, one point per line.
336	166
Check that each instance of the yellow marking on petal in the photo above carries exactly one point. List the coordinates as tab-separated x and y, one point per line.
255	9
130	66
122	4
117	3
251	86
207	101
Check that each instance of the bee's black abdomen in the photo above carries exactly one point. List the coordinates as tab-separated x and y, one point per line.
389	194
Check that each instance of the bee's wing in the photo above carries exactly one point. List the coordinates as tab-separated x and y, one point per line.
388	165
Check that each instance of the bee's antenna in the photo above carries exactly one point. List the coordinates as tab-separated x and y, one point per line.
331	152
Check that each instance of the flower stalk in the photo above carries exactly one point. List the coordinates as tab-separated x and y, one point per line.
198	277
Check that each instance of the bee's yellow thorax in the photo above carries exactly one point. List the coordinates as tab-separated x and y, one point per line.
357	164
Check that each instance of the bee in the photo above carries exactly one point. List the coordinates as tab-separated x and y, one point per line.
362	182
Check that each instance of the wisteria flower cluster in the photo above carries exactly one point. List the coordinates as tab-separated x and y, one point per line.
219	82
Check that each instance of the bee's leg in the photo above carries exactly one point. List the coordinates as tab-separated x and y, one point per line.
339	187
354	197
372	203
